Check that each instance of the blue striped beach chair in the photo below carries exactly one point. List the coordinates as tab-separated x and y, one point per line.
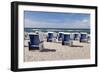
60	36
83	37
76	36
50	37
34	42
88	37
66	39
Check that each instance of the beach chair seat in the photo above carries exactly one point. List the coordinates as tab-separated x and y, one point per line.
34	42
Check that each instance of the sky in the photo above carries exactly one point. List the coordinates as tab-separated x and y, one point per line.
35	19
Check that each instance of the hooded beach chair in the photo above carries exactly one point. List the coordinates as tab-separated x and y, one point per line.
66	39
50	37
55	37
88	37
35	42
76	36
83	37
60	36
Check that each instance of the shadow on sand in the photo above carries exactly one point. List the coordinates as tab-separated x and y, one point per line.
76	46
48	50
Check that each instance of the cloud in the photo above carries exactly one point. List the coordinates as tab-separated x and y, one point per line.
85	20
84	23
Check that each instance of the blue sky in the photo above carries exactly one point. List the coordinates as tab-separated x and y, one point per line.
33	19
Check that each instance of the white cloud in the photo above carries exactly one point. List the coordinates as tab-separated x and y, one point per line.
85	23
85	20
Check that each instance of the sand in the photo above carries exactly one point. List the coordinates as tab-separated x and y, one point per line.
57	51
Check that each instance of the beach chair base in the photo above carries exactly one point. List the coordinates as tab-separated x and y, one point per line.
84	40
33	48
67	43
76	39
40	47
49	40
54	40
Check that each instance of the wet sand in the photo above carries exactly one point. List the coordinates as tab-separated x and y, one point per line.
57	51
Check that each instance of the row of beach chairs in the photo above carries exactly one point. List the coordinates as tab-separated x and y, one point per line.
82	37
36	40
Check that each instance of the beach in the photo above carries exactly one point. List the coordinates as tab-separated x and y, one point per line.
56	51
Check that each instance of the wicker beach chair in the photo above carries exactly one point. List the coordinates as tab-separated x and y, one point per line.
60	36
83	37
66	40
76	36
50	37
35	42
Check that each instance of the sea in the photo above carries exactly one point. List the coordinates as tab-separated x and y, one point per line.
71	30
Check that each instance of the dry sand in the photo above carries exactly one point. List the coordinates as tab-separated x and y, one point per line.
57	51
